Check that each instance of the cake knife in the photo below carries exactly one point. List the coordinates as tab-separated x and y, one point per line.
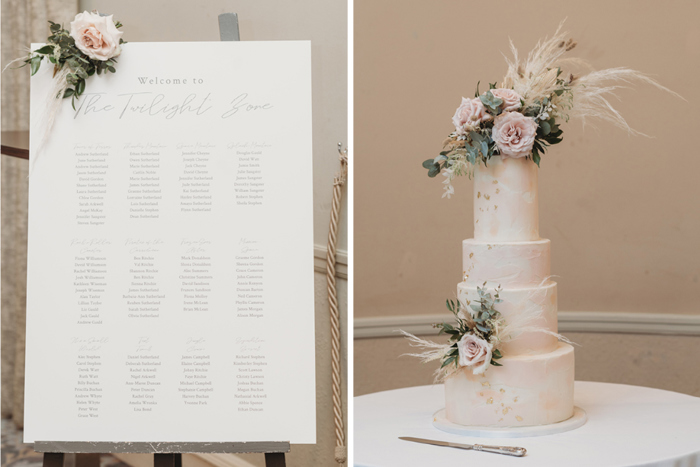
507	450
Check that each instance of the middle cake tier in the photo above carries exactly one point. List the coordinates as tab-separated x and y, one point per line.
530	314
510	264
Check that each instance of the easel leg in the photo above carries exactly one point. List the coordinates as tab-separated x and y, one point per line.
167	460
53	459
275	459
87	460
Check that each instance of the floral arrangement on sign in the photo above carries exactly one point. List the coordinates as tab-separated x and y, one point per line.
521	116
91	46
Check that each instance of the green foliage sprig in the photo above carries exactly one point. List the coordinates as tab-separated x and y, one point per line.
483	321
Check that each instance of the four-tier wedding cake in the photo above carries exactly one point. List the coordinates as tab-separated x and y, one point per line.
535	384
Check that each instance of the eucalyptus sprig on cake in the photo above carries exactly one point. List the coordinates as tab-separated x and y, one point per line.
474	338
521	116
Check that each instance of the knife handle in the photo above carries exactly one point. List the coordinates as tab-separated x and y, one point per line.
507	450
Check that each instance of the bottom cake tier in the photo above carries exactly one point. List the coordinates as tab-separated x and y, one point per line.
527	390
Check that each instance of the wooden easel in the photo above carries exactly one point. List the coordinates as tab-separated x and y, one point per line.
164	454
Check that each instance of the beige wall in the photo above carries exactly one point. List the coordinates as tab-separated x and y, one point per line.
325	24
623	213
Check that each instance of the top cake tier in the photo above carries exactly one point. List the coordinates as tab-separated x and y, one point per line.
505	201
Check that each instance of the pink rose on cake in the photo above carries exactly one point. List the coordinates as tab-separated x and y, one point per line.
514	134
96	36
469	115
510	98
474	352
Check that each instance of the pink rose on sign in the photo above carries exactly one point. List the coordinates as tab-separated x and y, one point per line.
469	115
474	352
96	36
514	134
510	98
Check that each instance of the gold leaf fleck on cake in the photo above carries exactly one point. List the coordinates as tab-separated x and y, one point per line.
487	197
505	411
495	208
519	418
500	419
498	190
490	400
489	246
477	221
495	182
471	255
486	383
478	194
515	400
502	404
503	391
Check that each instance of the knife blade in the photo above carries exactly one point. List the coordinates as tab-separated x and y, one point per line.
507	450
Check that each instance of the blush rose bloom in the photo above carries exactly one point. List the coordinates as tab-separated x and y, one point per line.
96	36
511	99
474	352
514	134
470	113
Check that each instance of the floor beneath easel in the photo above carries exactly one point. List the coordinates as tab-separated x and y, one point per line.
17	454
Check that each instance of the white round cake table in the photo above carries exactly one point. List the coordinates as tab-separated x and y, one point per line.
627	426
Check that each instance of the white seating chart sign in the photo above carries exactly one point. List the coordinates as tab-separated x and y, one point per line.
170	272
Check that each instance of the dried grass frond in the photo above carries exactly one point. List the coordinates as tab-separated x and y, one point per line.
532	79
592	92
535	79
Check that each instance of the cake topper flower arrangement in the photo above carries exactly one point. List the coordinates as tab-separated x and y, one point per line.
521	116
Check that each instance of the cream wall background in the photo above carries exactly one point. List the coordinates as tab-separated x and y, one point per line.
325	24
623	213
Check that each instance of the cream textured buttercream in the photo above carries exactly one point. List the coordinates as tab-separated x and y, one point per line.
505	201
527	390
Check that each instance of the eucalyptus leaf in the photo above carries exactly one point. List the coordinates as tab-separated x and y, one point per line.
80	87
447	361
35	63
45	50
536	158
